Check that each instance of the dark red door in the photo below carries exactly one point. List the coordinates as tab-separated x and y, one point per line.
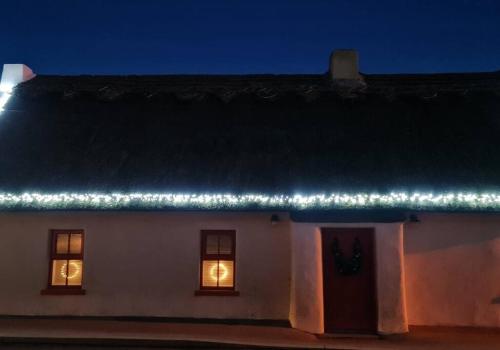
349	292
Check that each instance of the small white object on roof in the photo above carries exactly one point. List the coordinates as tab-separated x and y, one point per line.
12	75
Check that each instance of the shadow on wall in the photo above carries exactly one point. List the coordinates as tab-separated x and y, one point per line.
441	231
496	300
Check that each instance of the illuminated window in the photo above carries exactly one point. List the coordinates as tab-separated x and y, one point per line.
217	267
66	262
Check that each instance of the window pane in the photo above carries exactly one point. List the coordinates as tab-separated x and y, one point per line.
222	272
62	243
59	272
209	273
225	244
212	244
66	268
75	273
226	273
75	243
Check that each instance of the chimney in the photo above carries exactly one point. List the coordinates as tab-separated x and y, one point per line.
12	75
344	65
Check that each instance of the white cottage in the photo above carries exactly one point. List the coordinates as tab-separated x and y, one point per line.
338	202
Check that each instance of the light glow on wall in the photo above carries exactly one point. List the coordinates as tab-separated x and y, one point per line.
103	201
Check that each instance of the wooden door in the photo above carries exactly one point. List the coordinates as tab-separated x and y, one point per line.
349	293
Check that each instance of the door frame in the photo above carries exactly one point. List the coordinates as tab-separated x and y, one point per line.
374	274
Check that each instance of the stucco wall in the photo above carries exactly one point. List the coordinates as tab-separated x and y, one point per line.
306	294
453	270
145	264
148	264
306	309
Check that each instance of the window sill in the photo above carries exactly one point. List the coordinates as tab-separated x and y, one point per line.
208	292
63	291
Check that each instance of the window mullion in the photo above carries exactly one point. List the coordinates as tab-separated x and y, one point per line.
67	261
69	241
218	259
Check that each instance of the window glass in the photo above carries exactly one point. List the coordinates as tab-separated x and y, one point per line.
66	269
59	272
75	245
226	273
62	243
74	274
212	244
225	244
209	273
218	273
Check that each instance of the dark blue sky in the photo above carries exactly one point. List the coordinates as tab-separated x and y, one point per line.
257	36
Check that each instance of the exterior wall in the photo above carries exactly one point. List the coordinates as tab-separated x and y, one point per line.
306	309
452	267
145	264
306	294
390	279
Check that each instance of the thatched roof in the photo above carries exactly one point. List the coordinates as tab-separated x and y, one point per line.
252	133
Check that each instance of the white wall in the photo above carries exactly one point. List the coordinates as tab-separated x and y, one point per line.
306	309
390	258
452	264
306	294
145	263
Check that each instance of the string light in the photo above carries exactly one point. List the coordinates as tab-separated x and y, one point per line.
399	200
76	270
222	272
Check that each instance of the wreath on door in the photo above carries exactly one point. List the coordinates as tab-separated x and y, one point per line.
344	266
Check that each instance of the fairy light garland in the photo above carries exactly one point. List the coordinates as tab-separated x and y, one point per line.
103	201
75	273
218	272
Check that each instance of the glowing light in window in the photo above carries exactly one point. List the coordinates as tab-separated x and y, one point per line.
222	273
73	274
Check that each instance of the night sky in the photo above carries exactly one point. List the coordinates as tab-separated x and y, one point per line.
257	36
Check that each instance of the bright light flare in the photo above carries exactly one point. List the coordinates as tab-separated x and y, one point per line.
5	94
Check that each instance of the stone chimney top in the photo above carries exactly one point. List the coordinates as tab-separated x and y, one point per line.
344	65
